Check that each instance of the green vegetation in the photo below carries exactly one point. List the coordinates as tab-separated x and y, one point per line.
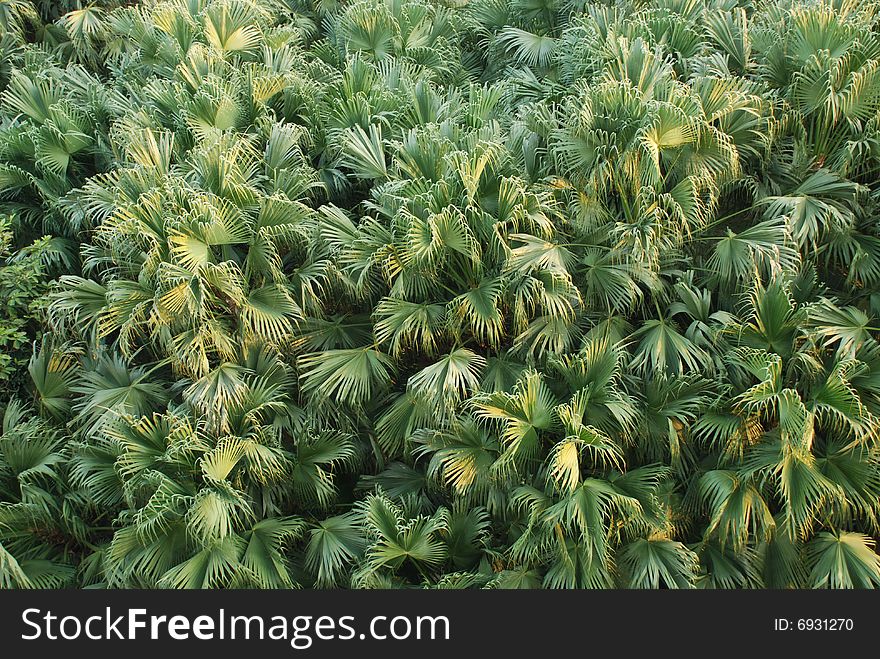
386	293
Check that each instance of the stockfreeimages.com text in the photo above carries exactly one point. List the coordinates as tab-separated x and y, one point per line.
300	631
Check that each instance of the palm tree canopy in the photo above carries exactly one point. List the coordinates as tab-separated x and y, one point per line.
385	294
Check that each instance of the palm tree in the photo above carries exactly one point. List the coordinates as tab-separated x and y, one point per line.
387	294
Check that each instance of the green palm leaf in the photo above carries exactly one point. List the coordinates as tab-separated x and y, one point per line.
843	560
347	376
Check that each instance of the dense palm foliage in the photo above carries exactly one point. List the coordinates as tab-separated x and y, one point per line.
411	293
